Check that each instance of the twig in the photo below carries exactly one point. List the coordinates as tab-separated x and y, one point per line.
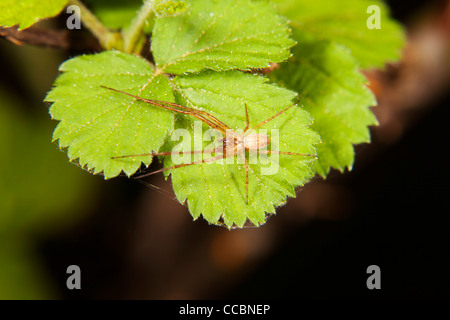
56	39
107	38
132	36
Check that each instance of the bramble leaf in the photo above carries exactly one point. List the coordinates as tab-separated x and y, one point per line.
345	22
218	191
221	35
333	90
169	8
97	124
27	12
334	41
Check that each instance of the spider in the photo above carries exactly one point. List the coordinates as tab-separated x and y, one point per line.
234	144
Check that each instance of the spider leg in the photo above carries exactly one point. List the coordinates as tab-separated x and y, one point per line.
287	153
156	154
218	157
246	117
242	154
204	116
274	116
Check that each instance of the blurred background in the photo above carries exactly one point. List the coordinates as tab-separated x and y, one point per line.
133	242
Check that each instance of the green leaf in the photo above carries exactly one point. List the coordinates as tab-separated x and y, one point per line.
221	35
218	191
97	124
333	91
27	12
345	22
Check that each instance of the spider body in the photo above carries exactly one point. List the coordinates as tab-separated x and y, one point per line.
234	144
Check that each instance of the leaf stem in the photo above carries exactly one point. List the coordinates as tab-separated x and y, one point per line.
107	38
49	38
132	36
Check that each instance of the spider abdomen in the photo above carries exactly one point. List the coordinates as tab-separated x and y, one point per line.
256	141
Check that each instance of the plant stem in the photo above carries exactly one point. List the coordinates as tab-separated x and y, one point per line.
133	34
107	38
56	39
